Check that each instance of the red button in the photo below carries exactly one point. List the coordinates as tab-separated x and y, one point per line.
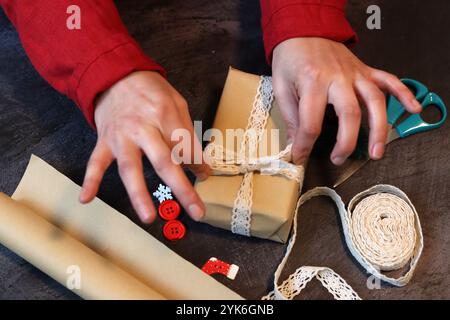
214	265
174	230
169	210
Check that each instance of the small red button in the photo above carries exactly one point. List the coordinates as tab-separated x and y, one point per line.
174	230
169	210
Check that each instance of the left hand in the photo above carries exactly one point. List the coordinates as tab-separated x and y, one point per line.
308	73
137	117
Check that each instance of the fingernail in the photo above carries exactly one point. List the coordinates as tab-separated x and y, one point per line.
299	161
202	176
377	151
147	219
338	160
196	211
82	196
145	215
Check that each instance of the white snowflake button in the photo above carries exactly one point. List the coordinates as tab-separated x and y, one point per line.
163	193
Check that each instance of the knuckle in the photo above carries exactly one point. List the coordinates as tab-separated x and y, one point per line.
162	162
404	91
277	94
311	130
94	161
376	99
291	128
162	108
300	151
311	73
375	74
142	97
133	126
373	71
130	124
398	87
125	166
182	103
131	119
278	88
342	79
393	81
353	112
393	77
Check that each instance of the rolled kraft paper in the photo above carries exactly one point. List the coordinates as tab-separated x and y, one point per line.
53	251
274	197
113	236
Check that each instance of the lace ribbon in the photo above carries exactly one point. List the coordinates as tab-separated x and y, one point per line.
382	231
245	161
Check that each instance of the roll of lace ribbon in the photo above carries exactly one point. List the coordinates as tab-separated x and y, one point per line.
382	231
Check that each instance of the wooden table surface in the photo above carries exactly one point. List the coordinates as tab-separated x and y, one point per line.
196	40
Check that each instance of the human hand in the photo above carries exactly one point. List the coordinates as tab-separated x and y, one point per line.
137	116
308	73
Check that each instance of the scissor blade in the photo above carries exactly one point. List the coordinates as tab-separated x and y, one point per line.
393	135
355	166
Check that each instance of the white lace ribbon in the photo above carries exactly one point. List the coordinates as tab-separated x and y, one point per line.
382	231
245	161
297	281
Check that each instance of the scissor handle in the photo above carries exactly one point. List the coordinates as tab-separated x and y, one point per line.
395	109
415	124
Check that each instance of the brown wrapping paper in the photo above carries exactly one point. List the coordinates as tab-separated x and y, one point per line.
46	225
274	197
53	251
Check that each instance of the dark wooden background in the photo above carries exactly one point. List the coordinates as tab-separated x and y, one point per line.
196	40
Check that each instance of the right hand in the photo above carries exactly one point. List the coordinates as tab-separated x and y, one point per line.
136	116
308	73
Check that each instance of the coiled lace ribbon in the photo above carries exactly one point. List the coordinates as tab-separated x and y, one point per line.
382	231
246	162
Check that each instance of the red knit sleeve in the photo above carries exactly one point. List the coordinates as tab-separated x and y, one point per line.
78	63
285	19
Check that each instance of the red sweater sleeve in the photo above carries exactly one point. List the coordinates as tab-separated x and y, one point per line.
285	19
79	63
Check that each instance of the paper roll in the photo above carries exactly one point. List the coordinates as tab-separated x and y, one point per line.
101	238
54	252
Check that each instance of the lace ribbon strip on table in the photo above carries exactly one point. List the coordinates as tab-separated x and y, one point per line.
382	231
245	161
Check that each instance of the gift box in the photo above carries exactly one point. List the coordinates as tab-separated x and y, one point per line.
271	191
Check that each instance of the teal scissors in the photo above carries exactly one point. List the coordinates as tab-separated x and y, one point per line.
411	125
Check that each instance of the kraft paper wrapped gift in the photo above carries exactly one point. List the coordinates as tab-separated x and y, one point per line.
274	197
